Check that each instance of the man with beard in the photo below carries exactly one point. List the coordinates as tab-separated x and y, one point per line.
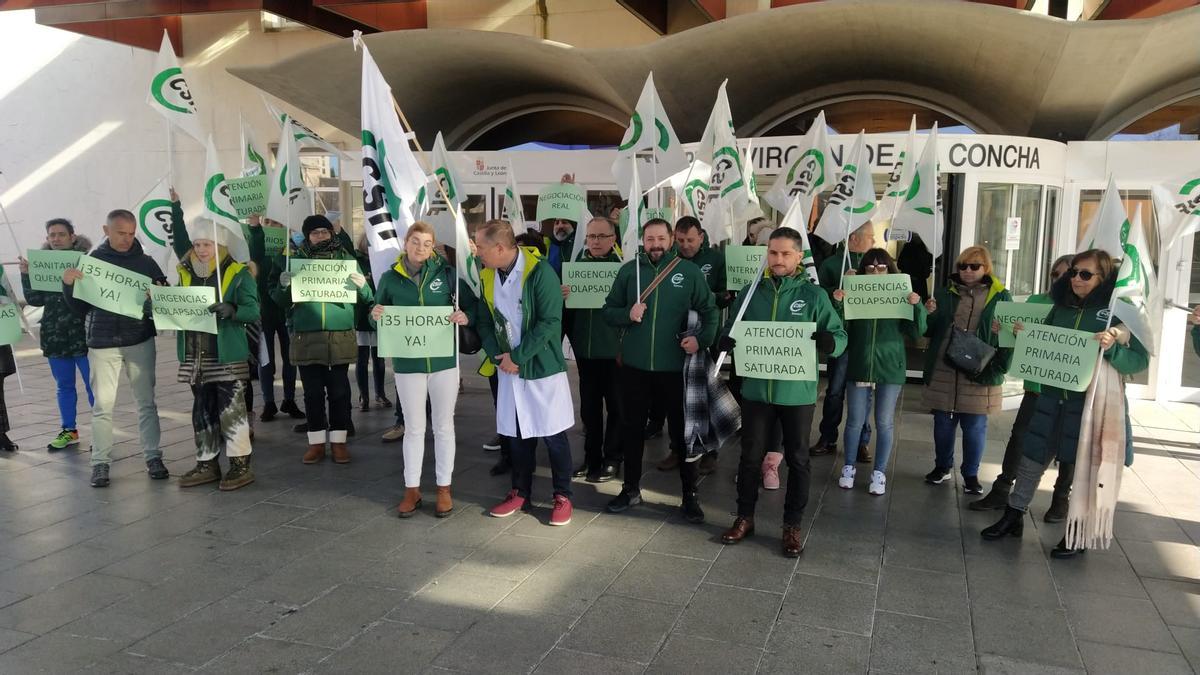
653	309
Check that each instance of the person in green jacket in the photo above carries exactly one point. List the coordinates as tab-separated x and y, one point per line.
62	337
422	278
997	497
876	360
368	341
1081	301
323	343
958	398
595	344
274	328
217	366
783	296
652	311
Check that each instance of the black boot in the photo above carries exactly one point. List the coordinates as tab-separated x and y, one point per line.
996	499
6	444
1011	524
269	412
1059	504
691	508
1061	552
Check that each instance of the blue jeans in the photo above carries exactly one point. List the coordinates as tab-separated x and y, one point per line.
266	374
858	406
63	369
974	431
835	396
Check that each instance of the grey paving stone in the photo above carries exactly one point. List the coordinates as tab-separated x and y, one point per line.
376	538
1164	560
259	655
275	548
504	643
1034	635
389	647
1109	659
904	644
1107	572
155	564
44	612
345	514
936	595
123	663
1118	621
509	557
938	555
563	588
755	563
55	653
1178	602
12	638
1189	641
841	557
685	654
830	603
746	616
567	662
1136	526
333	618
209	632
44	573
60	535
995	582
624	628
990	664
467	528
453	602
798	648
693	541
604	545
663	578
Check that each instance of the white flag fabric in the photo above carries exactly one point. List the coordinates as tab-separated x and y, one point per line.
900	179
1111	220
797	219
305	136
154	223
513	211
392	178
631	238
921	208
810	173
585	217
651	140
1136	300
691	186
853	199
169	93
219	208
1178	204
467	265
726	184
289	201
432	205
253	161
748	206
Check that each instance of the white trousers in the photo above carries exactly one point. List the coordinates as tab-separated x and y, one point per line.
441	389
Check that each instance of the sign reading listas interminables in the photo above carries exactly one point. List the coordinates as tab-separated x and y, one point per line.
416	332
1059	357
323	280
877	296
589	282
773	350
741	264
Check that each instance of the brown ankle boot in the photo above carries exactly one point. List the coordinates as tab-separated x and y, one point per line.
445	505
341	454
408	506
316	453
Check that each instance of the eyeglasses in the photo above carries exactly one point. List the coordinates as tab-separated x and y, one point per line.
974	267
1086	275
599	237
875	268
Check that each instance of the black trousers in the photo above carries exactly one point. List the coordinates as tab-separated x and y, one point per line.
1016	448
322	384
505	451
368	357
758	422
599	392
639	388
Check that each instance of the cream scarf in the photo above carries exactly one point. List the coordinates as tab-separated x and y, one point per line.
1099	462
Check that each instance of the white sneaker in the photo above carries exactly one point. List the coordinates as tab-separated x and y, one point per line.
878	483
846	482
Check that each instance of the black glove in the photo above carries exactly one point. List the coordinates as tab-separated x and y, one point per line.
223	310
824	340
726	343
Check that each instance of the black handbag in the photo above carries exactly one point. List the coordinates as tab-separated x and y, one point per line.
966	353
468	340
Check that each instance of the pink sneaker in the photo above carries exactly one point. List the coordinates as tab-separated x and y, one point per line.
512	503
561	515
770	470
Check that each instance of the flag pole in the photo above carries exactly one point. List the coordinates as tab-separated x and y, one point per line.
748	293
217	262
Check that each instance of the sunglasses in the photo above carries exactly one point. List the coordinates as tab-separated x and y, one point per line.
1086	275
974	267
875	268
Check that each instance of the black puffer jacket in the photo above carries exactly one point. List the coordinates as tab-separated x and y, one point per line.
105	329
62	333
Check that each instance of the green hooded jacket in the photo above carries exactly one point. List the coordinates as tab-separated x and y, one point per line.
540	353
591	336
876	348
653	344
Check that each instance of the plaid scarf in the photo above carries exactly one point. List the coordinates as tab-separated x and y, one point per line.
710	413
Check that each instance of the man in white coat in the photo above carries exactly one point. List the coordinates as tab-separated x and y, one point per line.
520	325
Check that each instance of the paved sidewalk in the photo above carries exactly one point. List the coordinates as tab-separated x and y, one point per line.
308	570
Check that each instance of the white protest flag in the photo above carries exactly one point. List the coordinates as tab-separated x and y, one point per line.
154	223
305	136
391	175
747	208
797	219
467	263
289	201
1178	204
726	184
219	208
631	238
811	172
691	188
253	162
169	93
431	202
1111	220
1135	299
921	208
585	217
900	179
853	199
513	212
651	140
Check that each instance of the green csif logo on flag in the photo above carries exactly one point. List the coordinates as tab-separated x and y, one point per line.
171	91
216	186
807	173
1190	206
381	203
636	124
154	220
256	159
